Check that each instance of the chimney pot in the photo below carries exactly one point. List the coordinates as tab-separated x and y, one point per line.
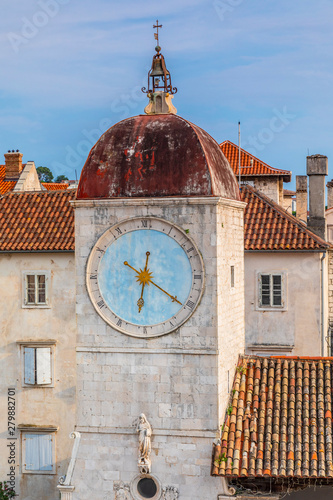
317	169
13	165
302	198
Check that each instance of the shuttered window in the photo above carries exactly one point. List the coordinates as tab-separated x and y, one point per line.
37	365
38	452
271	290
35	289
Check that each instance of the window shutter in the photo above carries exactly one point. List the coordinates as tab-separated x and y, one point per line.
45	452
41	287
277	289
265	290
29	365
30	289
32	452
43	362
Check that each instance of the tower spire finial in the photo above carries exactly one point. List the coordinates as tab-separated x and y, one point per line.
159	89
156	34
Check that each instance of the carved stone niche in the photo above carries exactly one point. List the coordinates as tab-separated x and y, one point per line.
122	491
170	493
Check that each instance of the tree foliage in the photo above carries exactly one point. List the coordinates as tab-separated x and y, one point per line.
61	178
5	492
44	174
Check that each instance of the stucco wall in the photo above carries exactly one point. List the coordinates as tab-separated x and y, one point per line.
299	326
179	380
36	405
270	186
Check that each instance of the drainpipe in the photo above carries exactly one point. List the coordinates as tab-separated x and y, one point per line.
322	303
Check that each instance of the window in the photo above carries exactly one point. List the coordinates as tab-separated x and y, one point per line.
37	369
232	276
271	290
35	287
38	450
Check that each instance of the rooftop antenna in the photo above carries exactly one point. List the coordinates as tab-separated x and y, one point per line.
239	157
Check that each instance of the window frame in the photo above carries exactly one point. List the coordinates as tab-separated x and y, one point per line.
37	345
27	430
271	307
36	304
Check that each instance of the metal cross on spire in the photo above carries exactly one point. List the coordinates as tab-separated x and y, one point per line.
156	34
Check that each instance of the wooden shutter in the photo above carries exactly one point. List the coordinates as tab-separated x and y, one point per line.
277	289
30	289
38	452
29	365
31	452
265	290
45	452
43	365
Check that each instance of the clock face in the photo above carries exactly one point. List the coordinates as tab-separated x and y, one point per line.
145	277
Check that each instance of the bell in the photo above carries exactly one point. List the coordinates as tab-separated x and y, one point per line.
157	68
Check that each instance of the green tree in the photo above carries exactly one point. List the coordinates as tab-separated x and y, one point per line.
5	492
61	178
44	174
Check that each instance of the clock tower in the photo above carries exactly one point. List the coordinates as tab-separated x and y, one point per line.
160	306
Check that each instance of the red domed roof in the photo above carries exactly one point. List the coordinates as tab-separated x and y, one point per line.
157	155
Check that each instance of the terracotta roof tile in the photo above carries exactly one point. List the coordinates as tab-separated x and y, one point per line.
55	186
279	421
267	226
258	167
5	186
35	221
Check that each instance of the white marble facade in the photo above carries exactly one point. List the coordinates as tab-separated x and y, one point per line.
179	381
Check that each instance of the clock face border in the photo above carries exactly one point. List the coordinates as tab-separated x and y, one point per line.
197	269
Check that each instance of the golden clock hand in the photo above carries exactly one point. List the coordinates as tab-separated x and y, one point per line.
141	302
147	253
174	299
143	277
127	264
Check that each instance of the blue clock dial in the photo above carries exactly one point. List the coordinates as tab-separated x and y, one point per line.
166	281
145	277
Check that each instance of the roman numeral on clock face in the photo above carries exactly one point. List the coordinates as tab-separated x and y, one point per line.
190	304
119	322
101	304
93	276
144	223
197	276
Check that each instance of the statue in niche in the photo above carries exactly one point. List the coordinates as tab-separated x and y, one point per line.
144	430
122	491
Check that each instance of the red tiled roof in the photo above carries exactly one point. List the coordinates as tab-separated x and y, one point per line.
5	186
258	168
279	421
267	226
288	192
37	221
55	186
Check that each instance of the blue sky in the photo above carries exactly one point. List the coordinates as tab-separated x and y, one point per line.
72	68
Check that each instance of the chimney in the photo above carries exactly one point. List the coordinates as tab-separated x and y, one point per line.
317	168
13	164
302	198
329	186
